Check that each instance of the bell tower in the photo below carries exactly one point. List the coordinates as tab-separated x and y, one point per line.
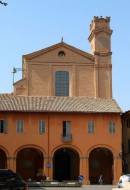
100	35
100	41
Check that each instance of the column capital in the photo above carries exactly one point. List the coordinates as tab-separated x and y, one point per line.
116	157
48	157
84	157
11	158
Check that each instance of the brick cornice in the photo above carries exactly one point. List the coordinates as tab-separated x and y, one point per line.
97	31
103	53
103	66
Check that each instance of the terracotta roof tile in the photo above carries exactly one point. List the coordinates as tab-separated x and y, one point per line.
8	102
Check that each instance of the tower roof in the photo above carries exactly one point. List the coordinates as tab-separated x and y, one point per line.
100	24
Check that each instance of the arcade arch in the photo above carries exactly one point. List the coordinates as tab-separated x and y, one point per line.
66	164
101	163
29	163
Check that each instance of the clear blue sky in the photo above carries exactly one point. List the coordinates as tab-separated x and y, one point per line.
30	25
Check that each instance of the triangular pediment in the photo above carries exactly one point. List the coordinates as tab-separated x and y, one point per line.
52	54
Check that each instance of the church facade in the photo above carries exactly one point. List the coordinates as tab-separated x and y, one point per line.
61	119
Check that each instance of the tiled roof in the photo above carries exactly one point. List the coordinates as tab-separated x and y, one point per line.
9	102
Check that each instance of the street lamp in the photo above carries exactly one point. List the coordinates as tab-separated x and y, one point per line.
5	4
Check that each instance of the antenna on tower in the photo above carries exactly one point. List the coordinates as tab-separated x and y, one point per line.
15	71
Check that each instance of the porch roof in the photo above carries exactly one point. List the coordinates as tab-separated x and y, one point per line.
9	102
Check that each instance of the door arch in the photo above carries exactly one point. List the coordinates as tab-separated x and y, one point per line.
3	159
65	164
29	163
101	163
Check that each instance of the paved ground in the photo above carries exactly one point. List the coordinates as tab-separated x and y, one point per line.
86	187
98	187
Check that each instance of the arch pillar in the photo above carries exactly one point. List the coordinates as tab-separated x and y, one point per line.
84	169
87	170
51	168
11	163
48	170
45	169
117	169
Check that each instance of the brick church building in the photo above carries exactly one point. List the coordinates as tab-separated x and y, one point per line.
61	119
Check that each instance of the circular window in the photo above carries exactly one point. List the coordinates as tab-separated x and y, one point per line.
61	54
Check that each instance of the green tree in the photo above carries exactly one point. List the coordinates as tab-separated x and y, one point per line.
2	3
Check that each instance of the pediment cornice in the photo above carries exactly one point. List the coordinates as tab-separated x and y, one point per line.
53	47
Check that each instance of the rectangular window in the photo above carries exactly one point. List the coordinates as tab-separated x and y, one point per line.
128	123
3	126
91	128
19	126
41	126
112	127
66	128
62	83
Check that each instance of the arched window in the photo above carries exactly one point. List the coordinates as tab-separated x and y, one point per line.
62	83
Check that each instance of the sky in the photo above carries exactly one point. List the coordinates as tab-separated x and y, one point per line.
27	26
